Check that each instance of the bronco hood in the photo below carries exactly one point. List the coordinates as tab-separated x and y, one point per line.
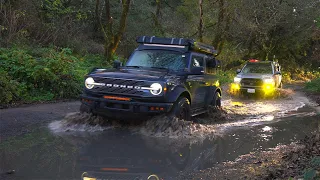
138	74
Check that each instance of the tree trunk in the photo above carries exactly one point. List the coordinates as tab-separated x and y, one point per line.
218	41
156	16
123	23
158	12
200	29
98	22
112	40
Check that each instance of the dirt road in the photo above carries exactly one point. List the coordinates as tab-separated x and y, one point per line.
17	121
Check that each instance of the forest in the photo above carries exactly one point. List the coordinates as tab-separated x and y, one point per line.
47	46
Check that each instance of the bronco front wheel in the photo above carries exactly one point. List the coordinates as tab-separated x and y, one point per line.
85	108
216	101
181	109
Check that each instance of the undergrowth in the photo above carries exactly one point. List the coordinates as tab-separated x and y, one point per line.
43	74
313	86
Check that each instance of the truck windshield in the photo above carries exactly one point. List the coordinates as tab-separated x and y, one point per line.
160	59
261	68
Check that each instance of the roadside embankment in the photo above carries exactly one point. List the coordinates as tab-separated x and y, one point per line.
297	160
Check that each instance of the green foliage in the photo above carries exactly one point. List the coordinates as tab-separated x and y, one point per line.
8	88
299	75
313	86
226	76
318	22
42	74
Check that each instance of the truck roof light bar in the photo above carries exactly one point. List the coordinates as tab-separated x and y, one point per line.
163	45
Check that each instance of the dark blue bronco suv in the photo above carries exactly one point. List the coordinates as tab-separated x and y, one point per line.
163	75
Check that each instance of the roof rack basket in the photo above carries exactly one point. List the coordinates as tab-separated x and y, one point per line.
190	43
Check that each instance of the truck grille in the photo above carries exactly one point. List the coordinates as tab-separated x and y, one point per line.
251	82
119	90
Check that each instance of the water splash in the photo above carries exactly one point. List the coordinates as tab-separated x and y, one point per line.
80	122
164	126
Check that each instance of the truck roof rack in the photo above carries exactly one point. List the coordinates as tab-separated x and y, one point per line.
190	43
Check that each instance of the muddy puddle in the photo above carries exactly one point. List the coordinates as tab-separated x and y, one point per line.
95	147
235	113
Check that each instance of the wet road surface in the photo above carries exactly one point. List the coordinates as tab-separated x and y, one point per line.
30	146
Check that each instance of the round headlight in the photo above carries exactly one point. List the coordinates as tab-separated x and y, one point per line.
155	88
89	83
153	177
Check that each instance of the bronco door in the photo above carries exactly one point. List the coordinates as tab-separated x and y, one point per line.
197	82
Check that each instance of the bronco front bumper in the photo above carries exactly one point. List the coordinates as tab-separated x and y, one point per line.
122	108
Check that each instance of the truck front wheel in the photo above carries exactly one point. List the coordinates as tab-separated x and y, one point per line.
181	109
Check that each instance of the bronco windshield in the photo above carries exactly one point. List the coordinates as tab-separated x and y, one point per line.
261	68
158	59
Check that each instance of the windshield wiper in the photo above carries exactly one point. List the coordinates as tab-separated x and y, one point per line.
133	66
159	68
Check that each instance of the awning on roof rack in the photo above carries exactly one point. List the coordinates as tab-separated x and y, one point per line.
192	44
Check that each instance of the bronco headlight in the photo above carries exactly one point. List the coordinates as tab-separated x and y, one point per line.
89	83
268	81
155	89
237	80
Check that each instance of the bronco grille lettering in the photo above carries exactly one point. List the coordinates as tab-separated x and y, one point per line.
123	86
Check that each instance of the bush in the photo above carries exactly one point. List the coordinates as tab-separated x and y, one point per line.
42	74
8	88
299	75
314	85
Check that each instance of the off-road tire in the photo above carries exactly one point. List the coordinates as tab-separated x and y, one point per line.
181	109
216	101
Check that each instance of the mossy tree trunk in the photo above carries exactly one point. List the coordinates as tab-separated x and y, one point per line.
200	28
111	38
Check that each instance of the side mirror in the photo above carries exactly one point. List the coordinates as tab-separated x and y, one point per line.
197	70
93	69
117	64
238	71
277	73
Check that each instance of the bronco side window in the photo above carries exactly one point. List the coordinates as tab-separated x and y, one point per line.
211	65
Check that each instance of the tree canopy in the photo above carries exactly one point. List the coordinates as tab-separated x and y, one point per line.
283	30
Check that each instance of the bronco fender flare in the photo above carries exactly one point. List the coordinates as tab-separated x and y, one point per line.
212	91
177	92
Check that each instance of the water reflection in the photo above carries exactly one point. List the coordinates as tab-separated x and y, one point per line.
119	154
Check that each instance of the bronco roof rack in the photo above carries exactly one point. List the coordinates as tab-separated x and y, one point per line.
176	42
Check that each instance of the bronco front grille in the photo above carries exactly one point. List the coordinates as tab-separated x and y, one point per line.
251	82
119	89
